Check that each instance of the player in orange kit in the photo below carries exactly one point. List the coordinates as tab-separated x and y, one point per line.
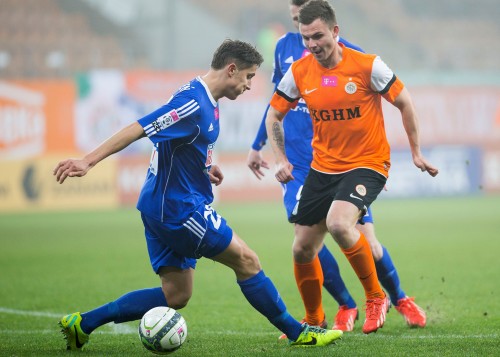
342	89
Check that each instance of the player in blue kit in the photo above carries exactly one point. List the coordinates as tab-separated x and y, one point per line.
180	225
298	135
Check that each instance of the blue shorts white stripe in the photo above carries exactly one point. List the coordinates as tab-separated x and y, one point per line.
203	234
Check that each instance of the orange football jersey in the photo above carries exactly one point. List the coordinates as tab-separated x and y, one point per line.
345	106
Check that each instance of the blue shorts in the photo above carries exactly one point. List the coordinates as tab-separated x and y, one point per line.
367	218
203	234
292	190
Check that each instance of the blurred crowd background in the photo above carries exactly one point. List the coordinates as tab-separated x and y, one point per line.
72	72
57	38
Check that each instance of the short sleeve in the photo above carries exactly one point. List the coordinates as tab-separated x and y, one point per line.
173	120
384	81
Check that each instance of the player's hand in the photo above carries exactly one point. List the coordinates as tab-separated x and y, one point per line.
215	175
423	165
284	172
255	162
70	168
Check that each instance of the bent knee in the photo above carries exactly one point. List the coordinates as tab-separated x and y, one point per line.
251	261
249	264
179	300
177	305
338	229
303	253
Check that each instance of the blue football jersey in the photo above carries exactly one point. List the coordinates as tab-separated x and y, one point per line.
297	124
184	132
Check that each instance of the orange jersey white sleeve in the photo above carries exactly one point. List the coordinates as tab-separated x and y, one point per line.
345	106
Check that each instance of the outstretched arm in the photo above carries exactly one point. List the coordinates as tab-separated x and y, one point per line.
277	139
405	105
116	143
255	161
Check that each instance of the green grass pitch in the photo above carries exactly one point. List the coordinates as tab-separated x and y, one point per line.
446	252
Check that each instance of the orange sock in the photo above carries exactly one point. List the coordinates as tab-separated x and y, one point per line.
361	259
309	278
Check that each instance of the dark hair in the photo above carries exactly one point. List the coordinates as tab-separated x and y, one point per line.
298	3
241	53
317	9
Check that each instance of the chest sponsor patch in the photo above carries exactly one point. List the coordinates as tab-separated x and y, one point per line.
329	81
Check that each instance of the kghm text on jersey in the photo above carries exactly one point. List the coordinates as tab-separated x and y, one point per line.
335	114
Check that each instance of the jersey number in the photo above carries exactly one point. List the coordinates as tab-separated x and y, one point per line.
214	217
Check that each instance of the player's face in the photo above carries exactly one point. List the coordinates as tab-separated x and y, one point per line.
320	40
240	82
294	14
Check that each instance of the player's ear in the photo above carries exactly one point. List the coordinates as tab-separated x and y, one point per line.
232	69
335	30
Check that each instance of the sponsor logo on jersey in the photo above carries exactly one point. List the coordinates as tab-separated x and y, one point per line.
165	120
309	91
350	87
211	127
216	113
335	114
301	108
153	162
329	81
210	151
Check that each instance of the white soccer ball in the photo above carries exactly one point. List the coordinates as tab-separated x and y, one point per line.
162	330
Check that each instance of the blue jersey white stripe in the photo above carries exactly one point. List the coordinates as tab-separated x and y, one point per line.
168	176
170	118
184	132
188	109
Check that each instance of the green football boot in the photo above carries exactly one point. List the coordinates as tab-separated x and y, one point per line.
75	337
313	336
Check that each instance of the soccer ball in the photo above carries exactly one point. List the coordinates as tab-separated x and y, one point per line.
162	330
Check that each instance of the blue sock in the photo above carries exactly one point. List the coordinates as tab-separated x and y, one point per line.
333	282
388	277
129	307
261	293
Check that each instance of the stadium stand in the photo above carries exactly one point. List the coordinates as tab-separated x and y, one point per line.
401	30
58	38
